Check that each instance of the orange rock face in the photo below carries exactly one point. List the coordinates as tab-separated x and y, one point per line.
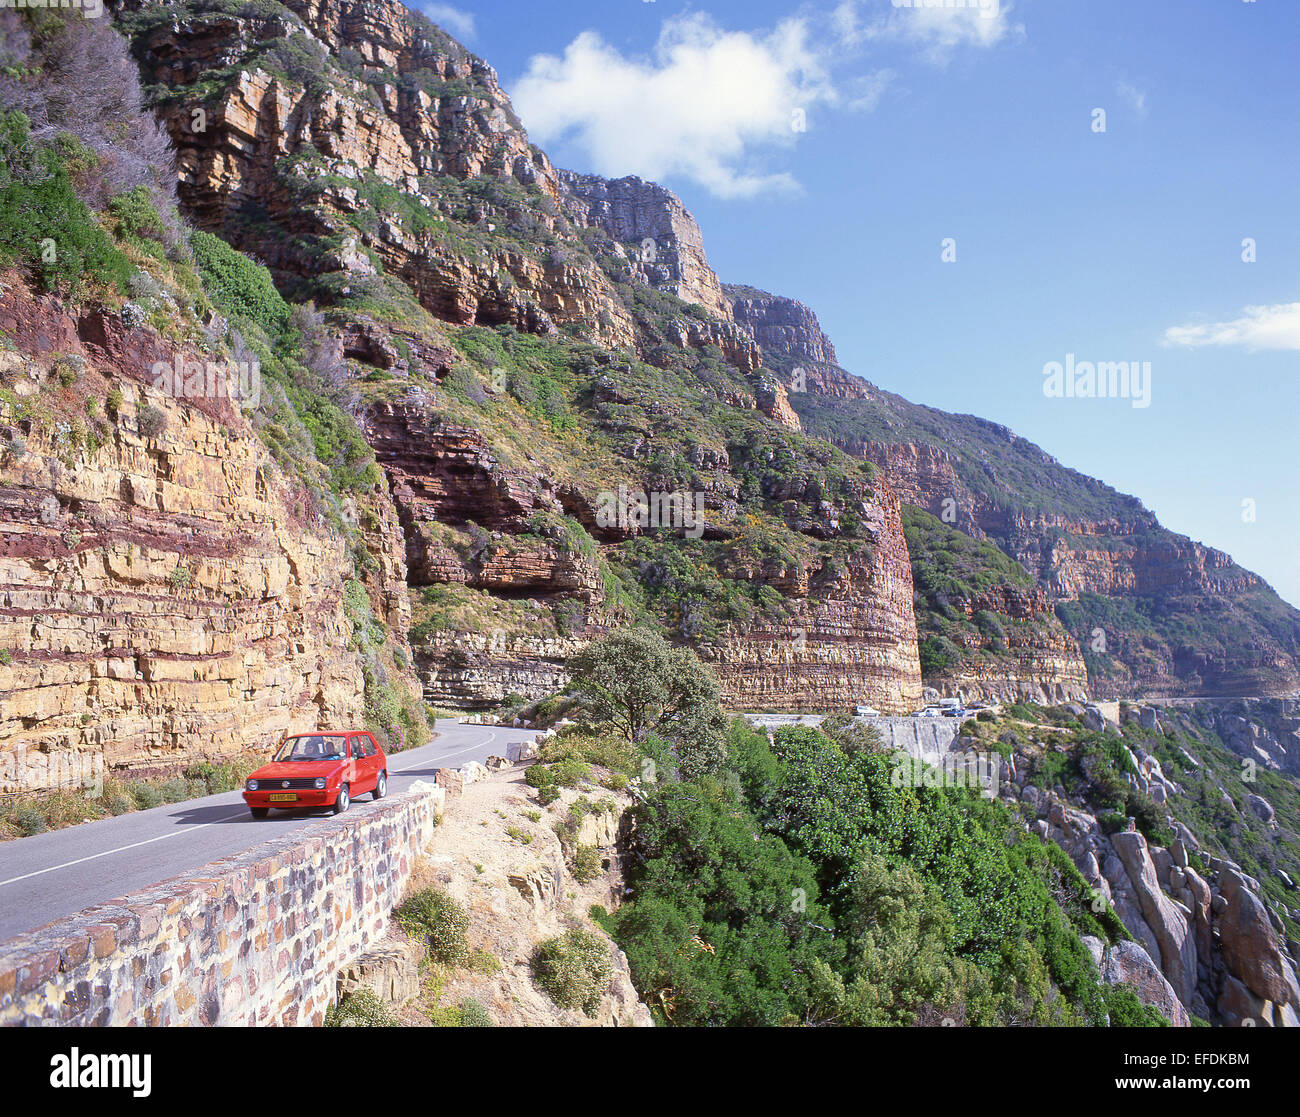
166	596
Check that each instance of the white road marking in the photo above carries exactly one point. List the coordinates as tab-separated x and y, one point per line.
120	849
491	737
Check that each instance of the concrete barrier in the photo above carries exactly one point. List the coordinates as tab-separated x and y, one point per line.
258	938
927	739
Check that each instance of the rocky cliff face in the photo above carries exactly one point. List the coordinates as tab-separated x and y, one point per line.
471	521
371	160
1266	731
165	595
1206	940
783	327
333	122
1177	617
851	640
668	247
1032	659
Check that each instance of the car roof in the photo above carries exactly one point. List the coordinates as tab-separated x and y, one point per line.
328	733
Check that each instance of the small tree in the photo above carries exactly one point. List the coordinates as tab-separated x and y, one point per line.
634	680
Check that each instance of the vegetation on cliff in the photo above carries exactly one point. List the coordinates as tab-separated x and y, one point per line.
1216	629
89	215
794	882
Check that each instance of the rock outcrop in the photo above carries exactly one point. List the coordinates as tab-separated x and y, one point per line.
1210	943
1126	963
783	327
853	641
667	247
165	595
503	861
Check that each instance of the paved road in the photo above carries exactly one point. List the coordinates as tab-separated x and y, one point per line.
48	876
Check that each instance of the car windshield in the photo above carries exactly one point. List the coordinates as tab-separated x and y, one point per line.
311	748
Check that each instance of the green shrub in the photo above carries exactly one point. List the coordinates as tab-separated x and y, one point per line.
1127	1011
239	286
28	819
146	796
153	422
362	1009
474	1015
174	790
438	921
586	864
573	970
43	224
139	223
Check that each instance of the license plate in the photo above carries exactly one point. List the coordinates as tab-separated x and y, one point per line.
289	798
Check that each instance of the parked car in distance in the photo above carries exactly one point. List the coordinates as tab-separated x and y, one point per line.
868	712
319	770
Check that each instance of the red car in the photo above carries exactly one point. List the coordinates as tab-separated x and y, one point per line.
319	770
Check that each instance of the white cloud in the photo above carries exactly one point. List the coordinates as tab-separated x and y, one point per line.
459	23
1259	327
865	91
698	107
936	27
1137	98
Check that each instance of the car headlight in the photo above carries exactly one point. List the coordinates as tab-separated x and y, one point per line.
252	785
320	783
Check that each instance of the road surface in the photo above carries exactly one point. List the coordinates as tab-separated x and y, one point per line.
51	875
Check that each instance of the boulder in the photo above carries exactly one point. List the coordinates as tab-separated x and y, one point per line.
1178	851
450	780
1171	928
1250	947
1199	889
474	772
391	969
1238	1004
1260	807
1186	837
1163	860
1126	963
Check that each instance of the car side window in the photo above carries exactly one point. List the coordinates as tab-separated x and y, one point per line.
360	746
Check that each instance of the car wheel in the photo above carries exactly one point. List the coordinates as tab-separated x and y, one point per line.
343	802
381	786
260	812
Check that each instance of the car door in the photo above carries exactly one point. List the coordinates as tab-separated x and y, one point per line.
364	753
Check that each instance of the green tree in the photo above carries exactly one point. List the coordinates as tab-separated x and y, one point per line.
635	681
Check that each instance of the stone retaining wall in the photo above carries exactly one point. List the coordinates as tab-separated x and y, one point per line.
258	938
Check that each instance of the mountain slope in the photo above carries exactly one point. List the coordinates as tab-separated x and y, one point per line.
1154	612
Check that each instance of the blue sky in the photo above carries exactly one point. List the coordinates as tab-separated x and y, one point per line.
1117	245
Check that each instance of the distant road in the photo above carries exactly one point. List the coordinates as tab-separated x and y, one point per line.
48	876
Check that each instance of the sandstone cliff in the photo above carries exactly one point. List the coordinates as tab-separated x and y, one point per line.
1177	617
165	594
